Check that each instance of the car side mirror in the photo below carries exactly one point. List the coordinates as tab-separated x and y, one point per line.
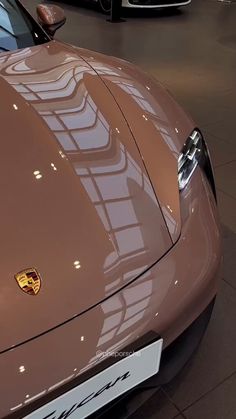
50	17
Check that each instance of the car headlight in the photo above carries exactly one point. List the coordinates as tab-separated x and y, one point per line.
189	158
194	153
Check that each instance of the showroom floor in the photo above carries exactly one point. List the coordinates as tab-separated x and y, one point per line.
193	52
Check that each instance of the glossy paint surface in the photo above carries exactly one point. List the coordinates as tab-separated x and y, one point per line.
78	204
50	15
159	127
166	299
89	150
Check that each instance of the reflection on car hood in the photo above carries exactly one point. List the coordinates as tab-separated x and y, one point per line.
77	203
159	126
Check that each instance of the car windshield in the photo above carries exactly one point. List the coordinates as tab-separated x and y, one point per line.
17	28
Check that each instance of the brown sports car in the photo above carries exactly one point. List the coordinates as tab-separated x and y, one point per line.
110	235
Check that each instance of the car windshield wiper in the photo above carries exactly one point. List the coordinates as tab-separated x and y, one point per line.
7	31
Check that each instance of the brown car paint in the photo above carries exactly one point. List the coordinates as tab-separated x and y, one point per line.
60	122
166	299
94	203
50	15
158	124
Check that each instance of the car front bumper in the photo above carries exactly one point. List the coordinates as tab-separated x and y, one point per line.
153	4
174	358
164	300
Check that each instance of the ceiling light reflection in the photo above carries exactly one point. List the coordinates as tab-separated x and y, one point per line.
53	167
22	368
38	174
77	264
16	407
63	156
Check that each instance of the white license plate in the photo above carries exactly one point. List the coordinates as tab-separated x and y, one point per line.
104	387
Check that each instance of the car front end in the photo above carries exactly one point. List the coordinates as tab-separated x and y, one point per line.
161	303
112	247
154	4
137	257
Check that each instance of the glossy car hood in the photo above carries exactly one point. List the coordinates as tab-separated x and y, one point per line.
76	201
159	126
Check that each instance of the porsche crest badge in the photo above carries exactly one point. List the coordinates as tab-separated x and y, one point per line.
29	281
